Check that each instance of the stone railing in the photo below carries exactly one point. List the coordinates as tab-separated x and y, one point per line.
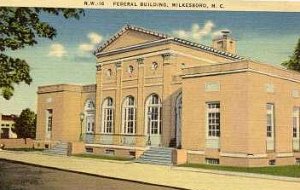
115	139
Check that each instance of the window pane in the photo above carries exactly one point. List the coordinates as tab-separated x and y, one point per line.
213	119
270	120
107	112
128	115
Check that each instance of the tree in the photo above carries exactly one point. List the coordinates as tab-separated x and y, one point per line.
19	28
294	62
25	126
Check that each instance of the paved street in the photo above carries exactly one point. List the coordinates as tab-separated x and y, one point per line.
24	177
163	175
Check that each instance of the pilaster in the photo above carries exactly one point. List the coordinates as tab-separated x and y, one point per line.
98	113
140	118
118	100
168	59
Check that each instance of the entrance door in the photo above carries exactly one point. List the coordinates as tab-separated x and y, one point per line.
90	127
153	121
90	123
178	111
49	114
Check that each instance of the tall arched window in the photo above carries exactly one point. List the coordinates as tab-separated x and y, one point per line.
153	114
89	116
128	112
107	116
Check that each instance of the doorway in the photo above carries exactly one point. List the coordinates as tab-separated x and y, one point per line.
178	113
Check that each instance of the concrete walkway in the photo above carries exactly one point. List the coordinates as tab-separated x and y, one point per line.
154	174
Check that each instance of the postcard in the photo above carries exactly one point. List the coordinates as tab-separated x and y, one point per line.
160	94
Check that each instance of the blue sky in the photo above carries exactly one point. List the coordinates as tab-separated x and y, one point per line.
263	36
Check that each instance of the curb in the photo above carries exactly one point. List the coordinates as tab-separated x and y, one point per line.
239	174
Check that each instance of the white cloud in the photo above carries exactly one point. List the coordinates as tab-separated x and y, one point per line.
57	50
196	33
94	39
86	47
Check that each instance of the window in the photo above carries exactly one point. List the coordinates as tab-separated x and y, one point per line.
49	119
213	119
110	152
89	150
296	113
107	116
153	114
272	162
213	161
270	121
128	115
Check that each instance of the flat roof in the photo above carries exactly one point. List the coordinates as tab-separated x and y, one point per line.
242	66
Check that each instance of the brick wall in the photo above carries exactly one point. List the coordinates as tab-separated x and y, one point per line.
17	143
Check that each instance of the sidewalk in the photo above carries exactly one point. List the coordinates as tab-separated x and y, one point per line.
154	174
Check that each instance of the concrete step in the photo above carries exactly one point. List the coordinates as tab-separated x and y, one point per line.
158	152
157	155
59	149
154	162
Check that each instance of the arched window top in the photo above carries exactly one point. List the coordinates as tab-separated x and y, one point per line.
153	99
129	101
89	105
108	102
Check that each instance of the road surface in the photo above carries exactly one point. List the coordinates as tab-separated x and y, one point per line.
15	176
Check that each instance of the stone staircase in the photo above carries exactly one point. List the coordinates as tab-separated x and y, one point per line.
59	149
157	155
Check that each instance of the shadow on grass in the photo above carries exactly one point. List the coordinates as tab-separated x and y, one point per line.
287	171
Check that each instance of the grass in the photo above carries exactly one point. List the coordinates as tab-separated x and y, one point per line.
24	149
104	157
288	171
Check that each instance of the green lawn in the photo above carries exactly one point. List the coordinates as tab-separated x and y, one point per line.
289	171
24	149
105	157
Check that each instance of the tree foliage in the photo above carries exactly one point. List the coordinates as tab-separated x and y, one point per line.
25	126
294	61
19	28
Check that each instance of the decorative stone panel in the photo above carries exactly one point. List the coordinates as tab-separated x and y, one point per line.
269	88
295	93
212	87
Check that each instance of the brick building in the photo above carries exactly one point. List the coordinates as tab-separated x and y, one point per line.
155	90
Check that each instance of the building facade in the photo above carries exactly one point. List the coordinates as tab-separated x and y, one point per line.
156	90
7	123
